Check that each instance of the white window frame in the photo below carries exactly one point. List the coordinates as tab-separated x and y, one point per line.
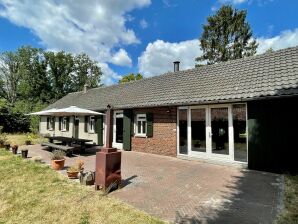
141	117
208	154
64	124
91	125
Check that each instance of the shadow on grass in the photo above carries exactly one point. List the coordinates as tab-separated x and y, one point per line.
253	197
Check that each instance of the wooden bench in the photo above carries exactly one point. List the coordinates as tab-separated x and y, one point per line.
67	149
89	144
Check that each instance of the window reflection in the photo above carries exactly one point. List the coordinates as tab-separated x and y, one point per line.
240	133
198	130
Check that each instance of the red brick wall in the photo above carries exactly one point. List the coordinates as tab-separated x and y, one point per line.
164	139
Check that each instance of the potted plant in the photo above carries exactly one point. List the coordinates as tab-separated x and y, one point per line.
14	149
58	159
24	153
73	171
29	139
80	165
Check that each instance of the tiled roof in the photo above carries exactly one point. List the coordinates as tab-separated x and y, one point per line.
269	74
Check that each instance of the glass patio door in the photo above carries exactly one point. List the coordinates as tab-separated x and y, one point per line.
219	121
217	132
206	131
198	130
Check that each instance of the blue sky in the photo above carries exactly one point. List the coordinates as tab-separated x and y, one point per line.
137	35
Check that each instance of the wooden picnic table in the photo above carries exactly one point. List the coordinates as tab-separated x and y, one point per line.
69	141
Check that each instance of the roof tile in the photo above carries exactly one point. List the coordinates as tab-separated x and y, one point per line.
269	74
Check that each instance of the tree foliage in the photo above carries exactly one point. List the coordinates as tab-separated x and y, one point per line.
227	35
31	78
130	77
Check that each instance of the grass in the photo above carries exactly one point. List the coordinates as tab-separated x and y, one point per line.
20	138
290	213
33	193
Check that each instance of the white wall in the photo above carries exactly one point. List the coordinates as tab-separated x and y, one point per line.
86	135
82	134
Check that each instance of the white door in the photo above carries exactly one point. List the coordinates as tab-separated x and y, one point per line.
118	129
220	131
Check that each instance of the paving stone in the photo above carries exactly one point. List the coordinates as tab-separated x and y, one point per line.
183	191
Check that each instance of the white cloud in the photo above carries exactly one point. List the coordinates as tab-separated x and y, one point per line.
143	24
160	55
95	27
287	38
169	3
121	58
238	2
234	2
109	77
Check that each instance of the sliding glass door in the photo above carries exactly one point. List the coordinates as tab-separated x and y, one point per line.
198	130
215	131
220	130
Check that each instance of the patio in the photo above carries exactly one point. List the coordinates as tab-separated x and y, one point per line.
191	191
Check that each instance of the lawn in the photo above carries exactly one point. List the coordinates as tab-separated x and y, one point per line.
290	213
33	193
20	138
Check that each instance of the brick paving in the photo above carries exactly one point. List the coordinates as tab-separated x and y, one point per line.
183	191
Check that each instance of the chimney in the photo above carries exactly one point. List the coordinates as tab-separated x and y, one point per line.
176	66
85	88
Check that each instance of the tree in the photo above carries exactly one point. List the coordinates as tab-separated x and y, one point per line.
130	77
60	69
31	78
10	75
69	73
227	35
269	50
34	84
86	71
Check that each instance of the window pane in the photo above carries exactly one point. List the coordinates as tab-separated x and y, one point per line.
139	127
92	125
198	130
220	130
183	131
240	134
144	127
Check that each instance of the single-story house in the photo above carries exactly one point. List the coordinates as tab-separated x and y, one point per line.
243	112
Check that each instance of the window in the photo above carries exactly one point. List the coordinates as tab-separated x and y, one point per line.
50	123
91	124
198	129
240	132
141	125
64	124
